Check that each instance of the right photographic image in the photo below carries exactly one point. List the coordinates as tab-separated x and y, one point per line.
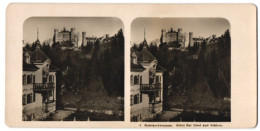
180	70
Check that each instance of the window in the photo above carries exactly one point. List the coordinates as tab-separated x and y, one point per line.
27	59
158	94
134	60
51	78
24	99
151	80
29	98
24	79
34	97
141	80
141	97
44	79
157	79
136	80
136	99
131	100
29	79
50	94
131	80
33	78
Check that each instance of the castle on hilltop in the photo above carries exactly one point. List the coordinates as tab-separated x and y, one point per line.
65	36
173	38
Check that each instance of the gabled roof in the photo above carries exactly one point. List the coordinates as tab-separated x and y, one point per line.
137	67
145	56
29	67
38	56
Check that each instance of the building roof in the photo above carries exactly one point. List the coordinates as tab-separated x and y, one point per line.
145	56
29	67
53	68
38	56
137	67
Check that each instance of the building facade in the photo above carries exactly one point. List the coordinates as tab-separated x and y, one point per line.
88	40
146	85
173	38
65	36
39	85
195	41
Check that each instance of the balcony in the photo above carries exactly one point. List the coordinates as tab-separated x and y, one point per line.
150	88
155	107
42	87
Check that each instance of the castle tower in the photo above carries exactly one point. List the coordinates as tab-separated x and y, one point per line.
55	35
162	35
190	38
83	38
179	36
72	35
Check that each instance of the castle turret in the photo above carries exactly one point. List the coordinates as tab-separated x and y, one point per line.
83	38
179	35
180	30
190	38
72	29
163	36
55	35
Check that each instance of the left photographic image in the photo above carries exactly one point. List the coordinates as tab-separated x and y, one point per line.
73	69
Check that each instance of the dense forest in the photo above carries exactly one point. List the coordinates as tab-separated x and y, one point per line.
202	73
101	74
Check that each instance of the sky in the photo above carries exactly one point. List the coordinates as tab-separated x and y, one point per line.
201	27
93	26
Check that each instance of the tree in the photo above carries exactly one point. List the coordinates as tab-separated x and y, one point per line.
27	46
153	49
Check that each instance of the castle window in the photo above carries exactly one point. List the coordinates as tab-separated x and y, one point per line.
141	80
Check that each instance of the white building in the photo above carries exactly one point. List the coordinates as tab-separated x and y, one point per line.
39	85
146	85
